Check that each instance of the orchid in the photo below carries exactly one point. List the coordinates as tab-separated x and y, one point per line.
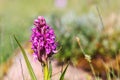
43	40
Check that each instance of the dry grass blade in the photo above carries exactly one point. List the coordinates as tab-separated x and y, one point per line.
100	17
22	69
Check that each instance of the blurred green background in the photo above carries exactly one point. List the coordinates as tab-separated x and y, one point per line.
69	18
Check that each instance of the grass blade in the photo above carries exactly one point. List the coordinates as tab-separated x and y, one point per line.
32	75
63	74
22	70
50	70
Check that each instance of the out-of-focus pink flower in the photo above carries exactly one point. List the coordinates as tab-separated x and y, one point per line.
60	3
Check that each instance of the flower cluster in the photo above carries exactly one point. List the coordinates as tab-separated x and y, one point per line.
43	39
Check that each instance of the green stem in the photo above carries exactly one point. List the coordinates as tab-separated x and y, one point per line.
46	72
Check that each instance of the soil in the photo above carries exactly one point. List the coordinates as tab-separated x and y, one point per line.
18	67
101	64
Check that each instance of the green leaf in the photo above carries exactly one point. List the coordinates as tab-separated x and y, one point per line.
31	72
50	70
63	73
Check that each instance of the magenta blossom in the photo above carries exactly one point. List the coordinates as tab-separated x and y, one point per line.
43	39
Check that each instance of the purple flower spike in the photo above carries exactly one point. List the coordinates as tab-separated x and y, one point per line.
43	40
